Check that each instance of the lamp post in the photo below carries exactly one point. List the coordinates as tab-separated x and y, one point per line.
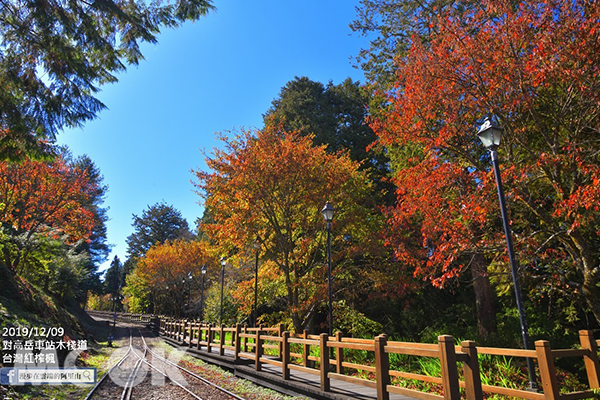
202	294
189	278
327	212
167	300
257	248
490	135
223	262
114	299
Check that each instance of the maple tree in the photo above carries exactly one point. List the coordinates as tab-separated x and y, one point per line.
534	66
389	26
335	116
272	184
42	200
159	273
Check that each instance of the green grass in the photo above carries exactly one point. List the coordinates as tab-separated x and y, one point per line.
36	310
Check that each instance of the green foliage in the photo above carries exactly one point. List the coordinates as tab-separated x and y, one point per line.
354	323
336	116
390	26
212	310
159	223
501	371
137	296
55	56
112	278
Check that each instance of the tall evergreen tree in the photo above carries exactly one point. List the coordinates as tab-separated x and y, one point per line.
96	248
335	115
157	224
112	279
54	56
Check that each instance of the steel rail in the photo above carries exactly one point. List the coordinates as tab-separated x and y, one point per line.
117	364
127	391
203	380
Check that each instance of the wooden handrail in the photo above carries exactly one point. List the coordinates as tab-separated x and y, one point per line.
250	343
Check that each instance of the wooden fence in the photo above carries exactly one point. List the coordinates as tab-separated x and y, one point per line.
460	367
121	316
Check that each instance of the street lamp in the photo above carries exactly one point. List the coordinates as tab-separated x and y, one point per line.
327	212
202	294
167	301
189	276
115	297
257	248
490	134
223	262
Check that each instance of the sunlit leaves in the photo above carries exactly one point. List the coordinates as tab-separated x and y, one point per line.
44	198
54	56
535	67
273	184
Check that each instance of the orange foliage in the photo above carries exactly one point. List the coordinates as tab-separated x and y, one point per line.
273	184
167	264
536	67
44	198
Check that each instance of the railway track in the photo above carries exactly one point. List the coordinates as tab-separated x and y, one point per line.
142	373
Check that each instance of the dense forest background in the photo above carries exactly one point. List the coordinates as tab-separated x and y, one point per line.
417	242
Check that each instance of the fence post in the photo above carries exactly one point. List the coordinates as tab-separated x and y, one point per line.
209	335
382	367
473	387
238	344
221	340
191	338
200	331
285	355
280	333
245	338
339	354
547	370
324	362
233	334
449	370
305	349
592	365
258	350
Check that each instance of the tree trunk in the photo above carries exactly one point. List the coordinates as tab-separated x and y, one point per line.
591	292
590	270
484	297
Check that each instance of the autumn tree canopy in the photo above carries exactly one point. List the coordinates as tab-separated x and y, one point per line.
535	67
159	281
272	184
41	199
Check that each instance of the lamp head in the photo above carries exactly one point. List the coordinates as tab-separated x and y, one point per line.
203	269
490	134
327	212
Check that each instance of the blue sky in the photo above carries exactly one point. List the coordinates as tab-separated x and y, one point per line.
217	74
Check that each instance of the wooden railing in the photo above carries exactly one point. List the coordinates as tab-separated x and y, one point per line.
460	370
121	316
